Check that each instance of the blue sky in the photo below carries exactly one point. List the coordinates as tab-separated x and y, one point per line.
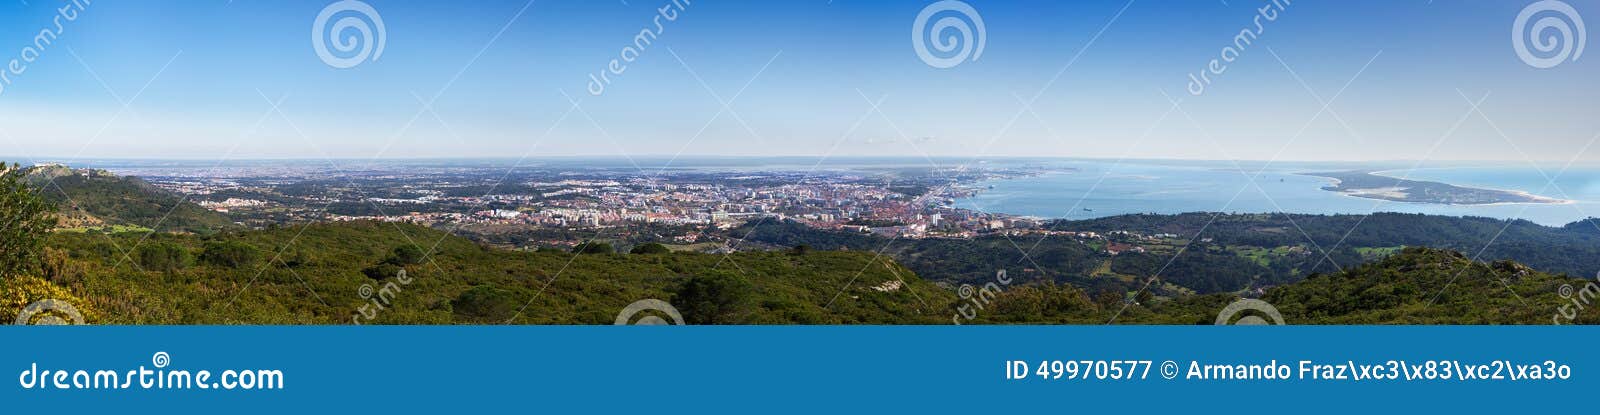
201	77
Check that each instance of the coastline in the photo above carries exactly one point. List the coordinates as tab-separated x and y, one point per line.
1038	191
1541	200
1551	202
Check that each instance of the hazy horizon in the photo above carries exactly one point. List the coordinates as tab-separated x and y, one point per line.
23	159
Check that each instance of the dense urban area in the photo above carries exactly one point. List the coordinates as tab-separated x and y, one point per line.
684	204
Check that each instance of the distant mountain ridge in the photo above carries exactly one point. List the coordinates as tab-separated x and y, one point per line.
94	198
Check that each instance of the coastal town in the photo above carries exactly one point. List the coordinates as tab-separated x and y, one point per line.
547	207
923	207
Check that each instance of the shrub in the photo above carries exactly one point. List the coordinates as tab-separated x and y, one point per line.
406	255
594	248
295	258
58	267
718	299
485	302
382	271
27	219
163	256
230	254
17	292
650	249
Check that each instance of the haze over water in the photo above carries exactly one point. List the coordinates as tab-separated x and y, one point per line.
1169	188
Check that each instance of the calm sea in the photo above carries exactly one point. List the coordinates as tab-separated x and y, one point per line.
1104	188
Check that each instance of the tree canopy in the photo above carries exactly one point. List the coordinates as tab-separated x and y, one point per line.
25	218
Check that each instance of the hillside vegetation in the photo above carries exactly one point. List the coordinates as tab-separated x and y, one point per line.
317	278
1211	253
94	198
318	275
1413	286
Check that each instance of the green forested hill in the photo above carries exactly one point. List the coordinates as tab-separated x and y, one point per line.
1234	253
89	198
245	278
1413	286
1573	249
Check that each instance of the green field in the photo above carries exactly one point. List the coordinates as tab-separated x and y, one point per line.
1377	252
107	229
